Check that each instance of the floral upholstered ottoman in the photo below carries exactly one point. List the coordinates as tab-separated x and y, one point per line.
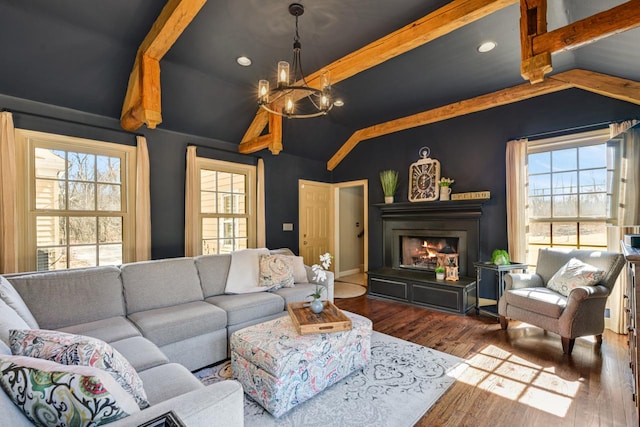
279	368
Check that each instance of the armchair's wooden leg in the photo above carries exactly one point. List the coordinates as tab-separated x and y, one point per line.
599	339
567	345
504	322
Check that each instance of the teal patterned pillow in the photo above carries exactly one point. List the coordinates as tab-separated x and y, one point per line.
573	274
276	271
69	349
50	394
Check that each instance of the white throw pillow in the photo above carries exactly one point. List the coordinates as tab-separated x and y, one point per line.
9	319
573	274
244	272
13	299
52	394
299	272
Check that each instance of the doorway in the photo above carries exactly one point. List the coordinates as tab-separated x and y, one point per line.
334	218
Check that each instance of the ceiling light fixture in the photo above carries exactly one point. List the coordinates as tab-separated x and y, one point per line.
244	61
292	86
487	47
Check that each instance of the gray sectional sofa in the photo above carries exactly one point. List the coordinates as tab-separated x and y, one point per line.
167	317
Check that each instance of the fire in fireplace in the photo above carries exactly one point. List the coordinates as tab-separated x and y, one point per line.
428	252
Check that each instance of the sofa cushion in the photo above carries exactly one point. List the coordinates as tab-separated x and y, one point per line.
172	324
52	394
111	329
276	271
213	271
573	274
140	352
68	297
244	272
156	284
9	319
12	298
69	349
538	300
167	381
243	308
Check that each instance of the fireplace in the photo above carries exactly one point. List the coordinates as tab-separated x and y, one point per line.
428	249
414	234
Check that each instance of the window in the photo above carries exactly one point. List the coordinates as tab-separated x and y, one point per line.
570	192
78	202
227	206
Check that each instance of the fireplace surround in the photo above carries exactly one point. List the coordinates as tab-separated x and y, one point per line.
452	220
414	237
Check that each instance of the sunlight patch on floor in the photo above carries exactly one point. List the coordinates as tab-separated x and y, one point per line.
497	371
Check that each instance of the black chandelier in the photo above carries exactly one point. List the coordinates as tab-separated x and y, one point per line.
292	86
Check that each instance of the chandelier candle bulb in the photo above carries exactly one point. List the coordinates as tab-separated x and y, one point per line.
263	90
289	104
283	73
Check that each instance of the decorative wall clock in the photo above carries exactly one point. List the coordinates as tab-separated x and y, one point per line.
423	178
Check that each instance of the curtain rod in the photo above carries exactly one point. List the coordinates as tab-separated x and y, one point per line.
75	122
551	134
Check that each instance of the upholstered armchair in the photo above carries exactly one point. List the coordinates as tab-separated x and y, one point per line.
581	313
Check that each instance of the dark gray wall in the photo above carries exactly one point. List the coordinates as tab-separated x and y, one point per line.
167	152
471	150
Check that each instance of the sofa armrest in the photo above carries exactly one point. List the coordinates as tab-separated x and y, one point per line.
328	284
522	280
219	404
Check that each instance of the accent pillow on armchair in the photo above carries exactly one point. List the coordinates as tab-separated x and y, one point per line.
573	274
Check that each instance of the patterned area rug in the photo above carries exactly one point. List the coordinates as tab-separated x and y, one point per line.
396	389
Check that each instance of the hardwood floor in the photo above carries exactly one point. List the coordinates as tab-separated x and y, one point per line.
517	377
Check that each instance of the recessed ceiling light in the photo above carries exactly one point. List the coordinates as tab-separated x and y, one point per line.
244	61
338	103
487	47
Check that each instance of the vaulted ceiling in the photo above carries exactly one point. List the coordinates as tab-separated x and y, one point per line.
79	54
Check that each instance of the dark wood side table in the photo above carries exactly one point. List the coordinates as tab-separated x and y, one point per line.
486	305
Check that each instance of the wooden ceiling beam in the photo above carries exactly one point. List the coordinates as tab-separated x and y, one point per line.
538	44
615	87
438	23
142	102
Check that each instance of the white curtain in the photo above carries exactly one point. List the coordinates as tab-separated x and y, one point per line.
628	167
143	202
516	159
8	202
191	241
261	234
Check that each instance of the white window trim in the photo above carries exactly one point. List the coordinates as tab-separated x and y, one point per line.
573	140
26	141
237	168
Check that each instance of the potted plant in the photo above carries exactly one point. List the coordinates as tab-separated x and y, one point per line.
319	276
445	187
389	180
500	257
439	273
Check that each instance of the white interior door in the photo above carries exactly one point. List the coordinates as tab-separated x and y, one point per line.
316	221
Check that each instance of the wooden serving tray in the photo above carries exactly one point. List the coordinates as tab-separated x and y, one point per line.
307	322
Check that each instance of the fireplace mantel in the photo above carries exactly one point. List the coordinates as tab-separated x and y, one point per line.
437	209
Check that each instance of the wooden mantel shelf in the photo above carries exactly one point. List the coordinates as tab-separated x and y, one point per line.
452	208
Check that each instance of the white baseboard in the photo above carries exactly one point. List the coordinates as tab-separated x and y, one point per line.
350	272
